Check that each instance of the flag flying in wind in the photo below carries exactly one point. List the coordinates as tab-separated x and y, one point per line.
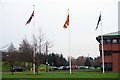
98	21
29	20
66	22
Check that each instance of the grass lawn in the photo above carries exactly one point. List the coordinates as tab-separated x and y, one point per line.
60	74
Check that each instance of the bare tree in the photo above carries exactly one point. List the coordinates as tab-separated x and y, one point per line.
81	60
11	48
96	62
73	61
47	46
34	54
11	57
40	45
41	41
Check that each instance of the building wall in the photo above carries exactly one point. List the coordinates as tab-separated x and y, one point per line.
105	46
106	59
108	47
116	62
114	58
119	61
115	47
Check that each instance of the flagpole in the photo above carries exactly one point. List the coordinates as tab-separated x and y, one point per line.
69	47
102	47
69	51
34	49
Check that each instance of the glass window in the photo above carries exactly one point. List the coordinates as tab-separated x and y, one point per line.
119	40
101	41
114	41
106	53
108	41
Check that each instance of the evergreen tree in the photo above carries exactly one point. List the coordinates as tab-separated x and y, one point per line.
87	62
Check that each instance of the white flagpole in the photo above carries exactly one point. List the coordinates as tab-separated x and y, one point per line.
102	47
33	34
69	51
69	47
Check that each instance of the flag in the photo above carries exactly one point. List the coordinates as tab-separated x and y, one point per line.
29	20
66	22
98	21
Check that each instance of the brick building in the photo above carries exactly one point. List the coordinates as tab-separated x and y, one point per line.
111	45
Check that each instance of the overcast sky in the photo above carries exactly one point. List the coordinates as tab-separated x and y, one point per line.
50	16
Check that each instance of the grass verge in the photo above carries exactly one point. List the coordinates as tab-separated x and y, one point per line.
60	74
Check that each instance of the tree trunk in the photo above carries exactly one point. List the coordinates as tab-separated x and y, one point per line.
36	69
12	69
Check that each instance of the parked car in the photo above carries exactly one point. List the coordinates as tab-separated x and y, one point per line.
83	67
17	69
68	67
54	68
63	68
74	67
91	68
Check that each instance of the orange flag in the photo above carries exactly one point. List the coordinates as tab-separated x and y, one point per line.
66	22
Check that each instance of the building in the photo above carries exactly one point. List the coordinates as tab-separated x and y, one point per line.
111	46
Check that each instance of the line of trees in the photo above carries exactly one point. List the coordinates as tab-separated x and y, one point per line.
86	61
37	52
25	55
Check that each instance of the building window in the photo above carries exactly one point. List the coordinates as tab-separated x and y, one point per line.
108	41
101	41
119	40
114	41
106	53
107	66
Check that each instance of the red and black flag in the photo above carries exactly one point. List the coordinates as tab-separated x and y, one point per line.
66	22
